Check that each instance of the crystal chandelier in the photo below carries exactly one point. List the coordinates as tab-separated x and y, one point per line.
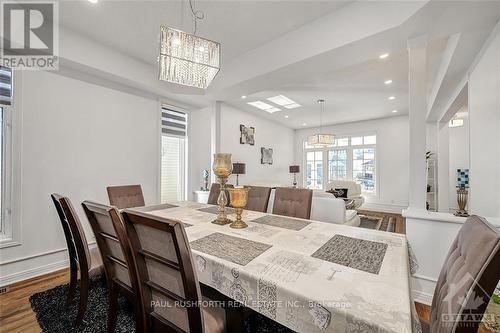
187	59
320	139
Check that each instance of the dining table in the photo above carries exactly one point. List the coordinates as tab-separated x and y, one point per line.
308	276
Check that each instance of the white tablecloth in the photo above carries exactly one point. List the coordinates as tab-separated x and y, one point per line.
304	293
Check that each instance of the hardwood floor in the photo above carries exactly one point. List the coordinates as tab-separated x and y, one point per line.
400	220
15	308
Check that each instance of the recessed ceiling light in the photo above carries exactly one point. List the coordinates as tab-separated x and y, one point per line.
284	101
457	122
383	56
391	98
394	111
243	96
93	1
304	124
287	116
264	106
388	82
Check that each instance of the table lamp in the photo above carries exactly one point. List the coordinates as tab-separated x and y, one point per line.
295	169
239	169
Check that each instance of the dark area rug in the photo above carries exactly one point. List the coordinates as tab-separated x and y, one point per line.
55	317
385	223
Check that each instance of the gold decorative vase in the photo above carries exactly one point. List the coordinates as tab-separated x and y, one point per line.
239	198
462	195
222	168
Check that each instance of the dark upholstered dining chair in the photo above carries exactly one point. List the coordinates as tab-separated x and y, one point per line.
214	194
258	198
88	262
167	277
126	196
293	202
113	243
470	273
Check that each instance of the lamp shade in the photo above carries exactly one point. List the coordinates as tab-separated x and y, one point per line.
294	169
239	168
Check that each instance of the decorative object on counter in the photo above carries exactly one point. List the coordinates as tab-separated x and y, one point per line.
247	135
206	174
321	139
239	198
462	193
266	155
239	169
222	168
295	169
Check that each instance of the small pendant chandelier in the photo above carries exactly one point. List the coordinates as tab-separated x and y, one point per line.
187	59
321	139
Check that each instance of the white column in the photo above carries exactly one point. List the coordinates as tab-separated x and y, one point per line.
215	130
443	167
418	108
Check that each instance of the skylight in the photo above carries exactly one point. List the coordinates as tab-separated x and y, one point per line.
264	106
284	101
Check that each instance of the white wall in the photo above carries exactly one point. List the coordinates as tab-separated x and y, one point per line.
484	115
78	138
458	158
391	155
431	234
267	134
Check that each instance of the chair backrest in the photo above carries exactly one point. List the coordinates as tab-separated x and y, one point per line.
214	193
113	244
293	202
470	274
126	196
67	213
166	273
73	257
258	198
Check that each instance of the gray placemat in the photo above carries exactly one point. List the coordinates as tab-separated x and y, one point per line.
146	209
213	210
235	249
353	252
282	222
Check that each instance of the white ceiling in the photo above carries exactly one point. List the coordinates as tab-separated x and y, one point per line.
132	27
349	76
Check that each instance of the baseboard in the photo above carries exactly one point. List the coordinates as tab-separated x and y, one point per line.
421	297
33	272
36	264
383	207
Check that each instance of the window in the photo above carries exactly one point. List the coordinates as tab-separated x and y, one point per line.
314	169
363	167
9	231
2	166
337	164
173	154
349	157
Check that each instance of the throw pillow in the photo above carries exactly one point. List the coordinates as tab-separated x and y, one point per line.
341	192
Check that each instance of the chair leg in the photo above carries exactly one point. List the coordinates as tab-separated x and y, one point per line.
84	295
113	308
73	271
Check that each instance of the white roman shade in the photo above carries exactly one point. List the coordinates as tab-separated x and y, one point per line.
173	122
5	85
